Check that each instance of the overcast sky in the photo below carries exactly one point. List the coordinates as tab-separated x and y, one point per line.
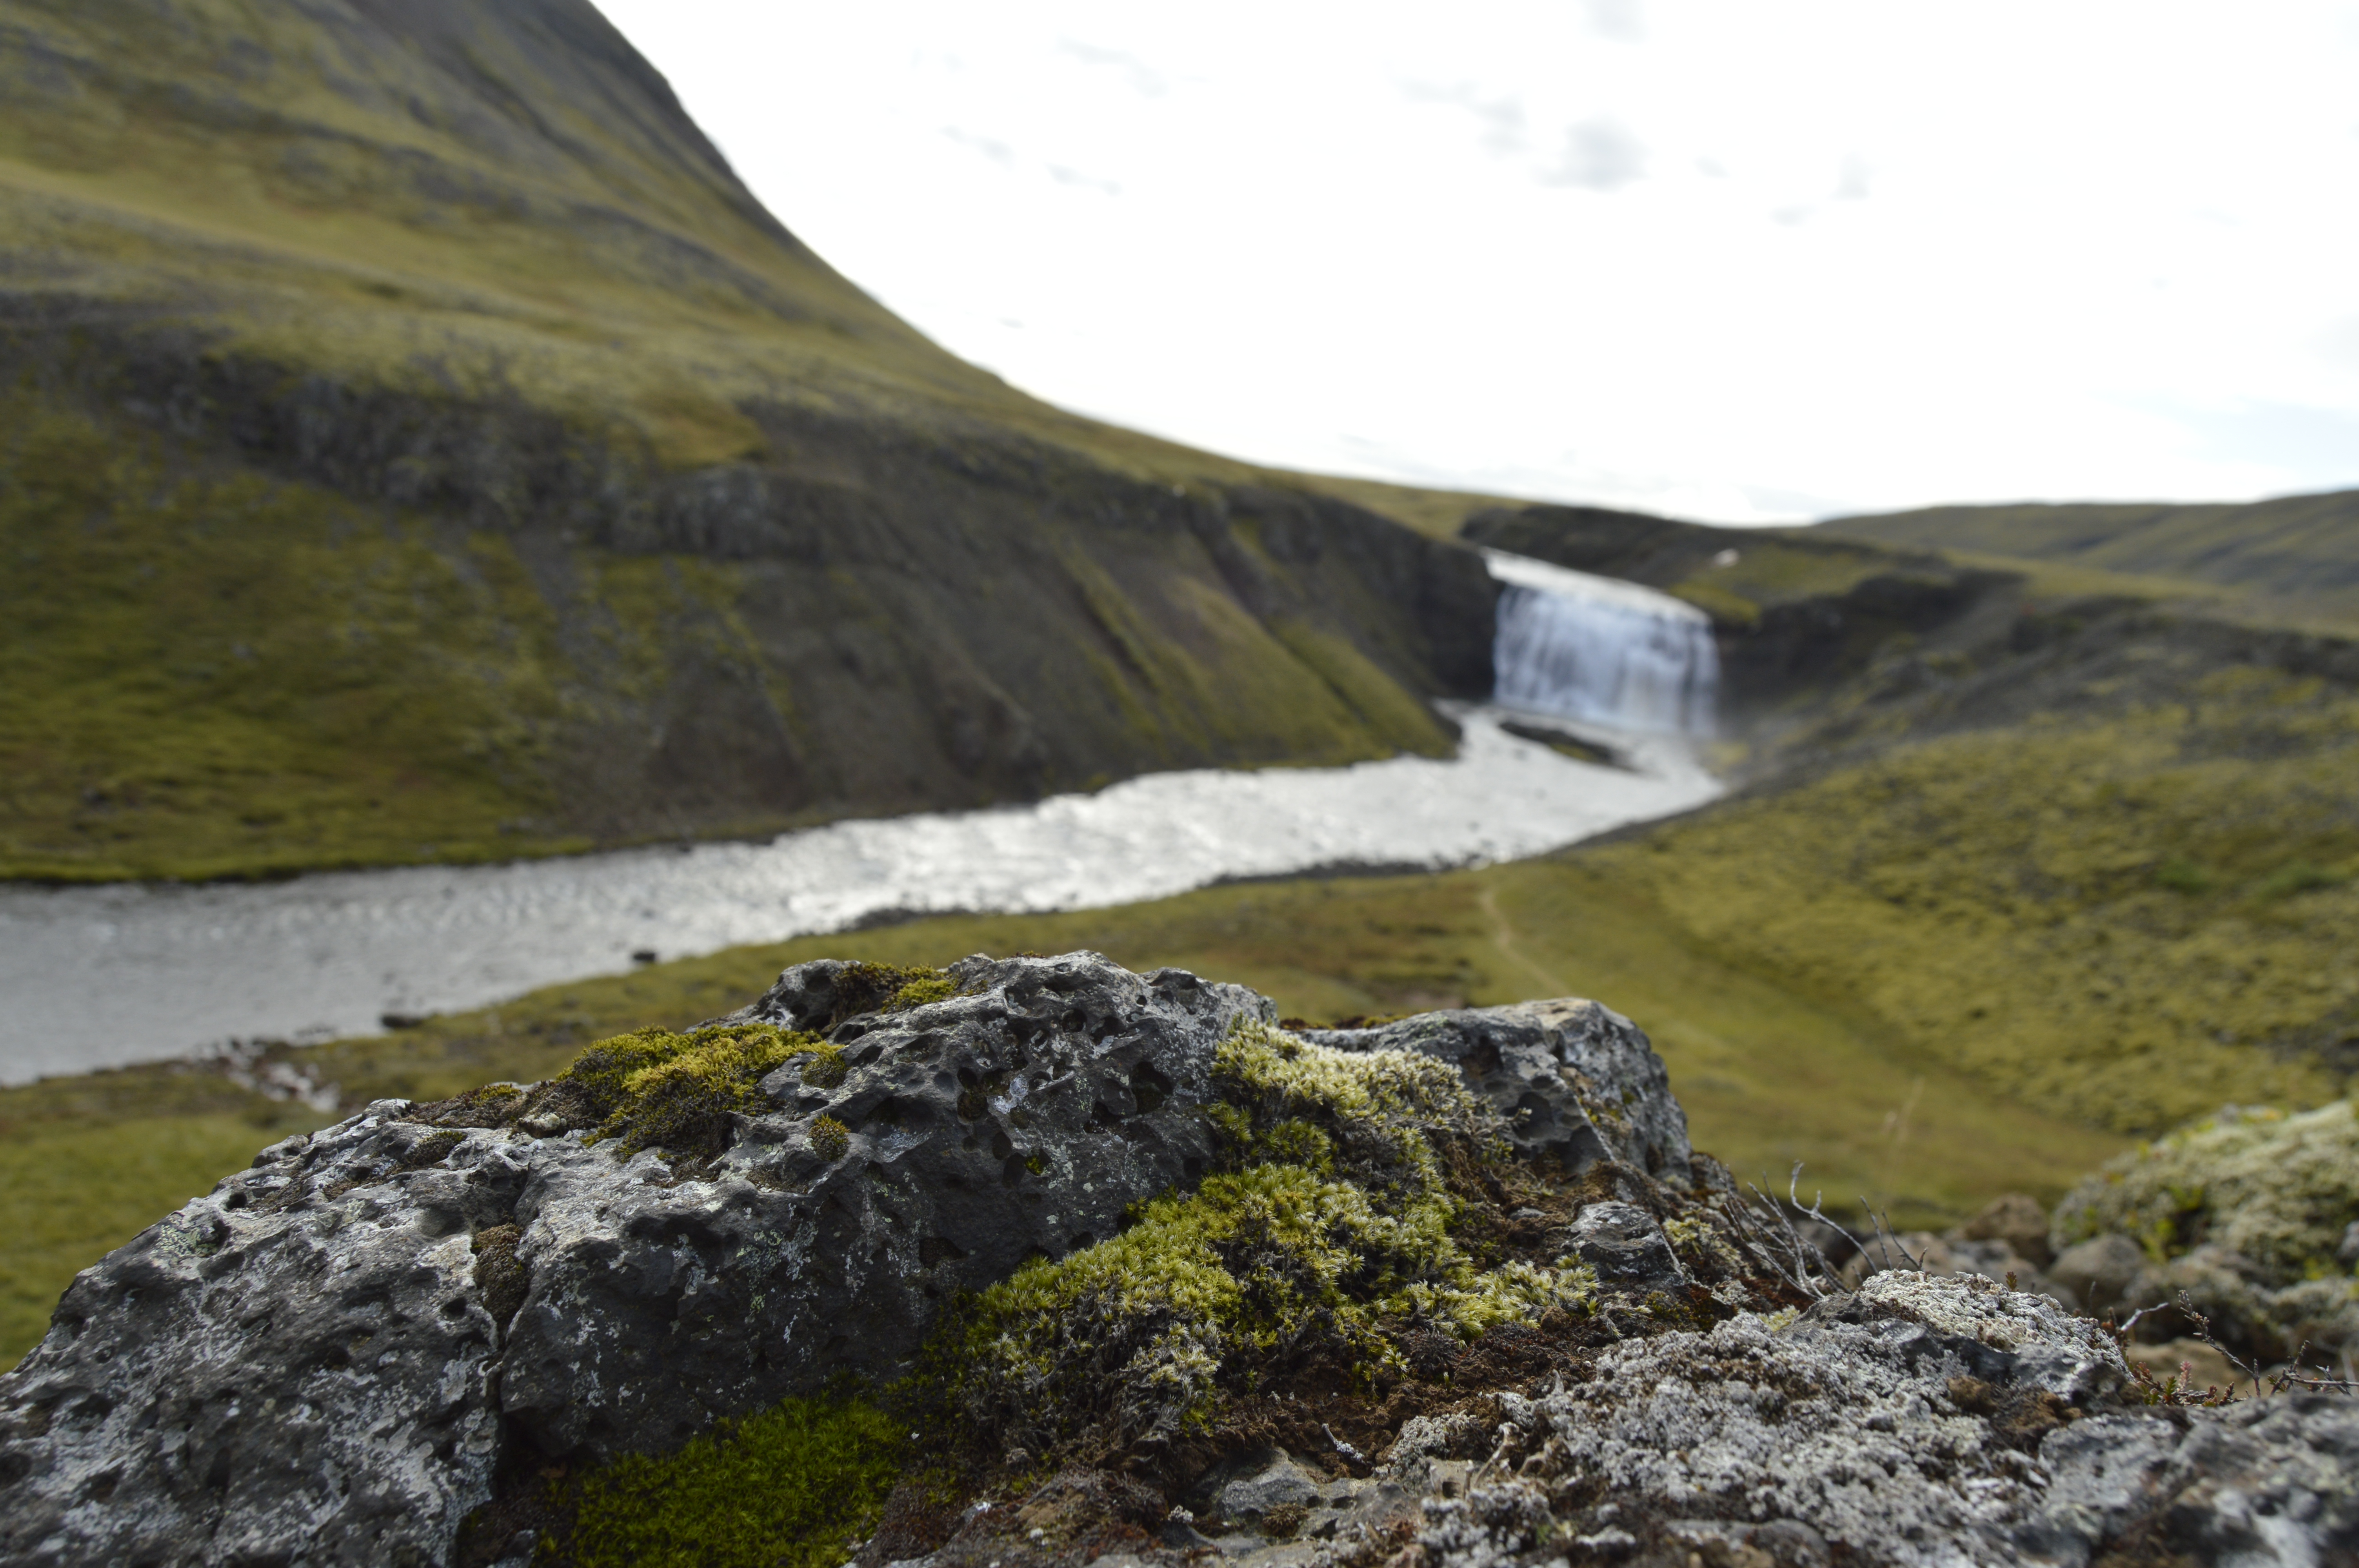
1741	260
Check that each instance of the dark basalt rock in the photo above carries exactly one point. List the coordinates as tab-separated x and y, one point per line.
325	1358
322	1360
1626	1248
1013	1121
1575	1082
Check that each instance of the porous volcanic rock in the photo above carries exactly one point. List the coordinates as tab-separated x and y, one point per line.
1921	1420
327	1359
306	1365
1575	1082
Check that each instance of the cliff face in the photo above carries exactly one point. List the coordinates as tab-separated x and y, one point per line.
419	442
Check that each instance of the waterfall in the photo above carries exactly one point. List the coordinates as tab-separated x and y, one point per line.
1595	648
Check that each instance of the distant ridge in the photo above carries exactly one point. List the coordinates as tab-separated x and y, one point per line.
2295	545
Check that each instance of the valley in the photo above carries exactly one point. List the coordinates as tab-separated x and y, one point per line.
417	449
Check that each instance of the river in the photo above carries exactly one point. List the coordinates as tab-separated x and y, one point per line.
100	976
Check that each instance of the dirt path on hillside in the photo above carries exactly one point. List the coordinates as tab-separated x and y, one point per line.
1503	936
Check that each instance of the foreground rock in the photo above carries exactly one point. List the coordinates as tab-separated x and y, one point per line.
1921	1420
328	1358
1454	1293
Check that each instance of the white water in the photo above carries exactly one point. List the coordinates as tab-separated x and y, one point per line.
99	977
1601	649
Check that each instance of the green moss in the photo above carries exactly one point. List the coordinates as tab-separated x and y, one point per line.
931	986
830	1138
658	1089
2298	878
211	672
791	1487
1151	1330
2277	1189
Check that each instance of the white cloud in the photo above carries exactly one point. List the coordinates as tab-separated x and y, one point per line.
1615	18
1502	119
1142	77
1602	154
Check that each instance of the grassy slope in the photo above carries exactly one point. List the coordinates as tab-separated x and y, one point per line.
167	705
2296	545
213	672
1769	1073
501	211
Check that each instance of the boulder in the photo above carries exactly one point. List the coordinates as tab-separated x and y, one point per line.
328	1358
2253	1212
2019	1221
329	1355
2107	1274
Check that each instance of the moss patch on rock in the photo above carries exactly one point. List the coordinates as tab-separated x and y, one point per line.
2253	1214
659	1089
1330	1229
2282	1190
793	1487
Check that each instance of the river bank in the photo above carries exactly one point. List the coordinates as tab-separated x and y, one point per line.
102	977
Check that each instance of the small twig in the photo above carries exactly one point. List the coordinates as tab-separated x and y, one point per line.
1884	1236
2341	1385
2204	1332
1798	1247
1509	1432
1818	1206
1761	1241
1351	1454
2291	1376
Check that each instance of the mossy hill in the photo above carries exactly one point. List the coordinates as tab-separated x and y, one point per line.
419	444
2291	546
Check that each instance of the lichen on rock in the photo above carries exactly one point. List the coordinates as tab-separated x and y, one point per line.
2254	1213
1924	1421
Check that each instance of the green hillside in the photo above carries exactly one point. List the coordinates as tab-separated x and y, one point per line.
419	444
2302	547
